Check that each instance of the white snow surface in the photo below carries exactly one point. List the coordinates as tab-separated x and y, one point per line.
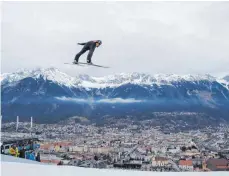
86	81
8	158
224	81
52	74
26	169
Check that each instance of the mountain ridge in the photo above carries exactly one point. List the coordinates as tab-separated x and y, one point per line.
114	80
49	94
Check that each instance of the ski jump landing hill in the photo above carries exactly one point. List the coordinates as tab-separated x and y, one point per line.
11	166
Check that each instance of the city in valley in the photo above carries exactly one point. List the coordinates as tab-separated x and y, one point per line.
126	144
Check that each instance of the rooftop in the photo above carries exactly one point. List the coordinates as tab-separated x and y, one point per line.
218	162
185	162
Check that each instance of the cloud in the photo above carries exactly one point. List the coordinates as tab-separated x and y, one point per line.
120	100
77	100
90	101
151	37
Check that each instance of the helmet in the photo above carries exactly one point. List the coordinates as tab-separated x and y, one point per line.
100	42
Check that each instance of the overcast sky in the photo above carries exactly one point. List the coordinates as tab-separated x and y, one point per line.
150	37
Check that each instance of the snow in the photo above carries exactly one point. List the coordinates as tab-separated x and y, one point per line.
26	169
7	158
146	79
112	81
52	74
224	81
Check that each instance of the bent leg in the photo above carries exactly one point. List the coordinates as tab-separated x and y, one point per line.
79	54
89	56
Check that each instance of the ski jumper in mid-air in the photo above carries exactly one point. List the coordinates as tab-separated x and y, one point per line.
88	46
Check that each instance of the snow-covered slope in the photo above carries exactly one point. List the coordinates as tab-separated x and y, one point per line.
8	158
116	80
146	79
52	74
224	81
13	168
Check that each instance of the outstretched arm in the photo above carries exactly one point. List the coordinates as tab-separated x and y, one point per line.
81	43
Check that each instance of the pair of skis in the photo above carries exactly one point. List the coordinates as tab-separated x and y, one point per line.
83	63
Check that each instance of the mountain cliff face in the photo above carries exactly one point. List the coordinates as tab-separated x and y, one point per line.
50	95
225	81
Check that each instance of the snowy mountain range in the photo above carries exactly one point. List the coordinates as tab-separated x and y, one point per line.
50	95
116	80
